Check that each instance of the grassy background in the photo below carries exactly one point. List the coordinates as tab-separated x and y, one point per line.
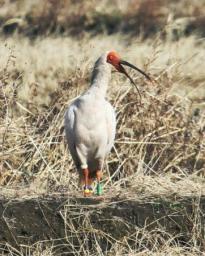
47	53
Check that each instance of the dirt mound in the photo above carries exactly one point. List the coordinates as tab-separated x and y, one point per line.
72	223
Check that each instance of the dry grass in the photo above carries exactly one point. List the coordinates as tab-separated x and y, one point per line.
87	231
163	135
39	249
144	17
159	148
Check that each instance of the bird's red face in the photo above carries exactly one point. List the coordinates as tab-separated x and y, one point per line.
114	59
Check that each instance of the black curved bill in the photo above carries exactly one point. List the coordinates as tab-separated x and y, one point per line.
123	62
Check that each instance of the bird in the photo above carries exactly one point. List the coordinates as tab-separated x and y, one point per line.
90	122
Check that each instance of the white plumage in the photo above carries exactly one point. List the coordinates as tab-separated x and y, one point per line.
90	121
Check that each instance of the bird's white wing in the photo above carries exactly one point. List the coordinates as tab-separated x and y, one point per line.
90	135
70	133
111	125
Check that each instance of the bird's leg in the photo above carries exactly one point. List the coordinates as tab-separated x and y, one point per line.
99	185
90	182
87	190
85	174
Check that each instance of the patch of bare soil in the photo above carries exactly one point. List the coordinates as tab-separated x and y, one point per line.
68	223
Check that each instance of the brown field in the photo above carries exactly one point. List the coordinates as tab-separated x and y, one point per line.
46	60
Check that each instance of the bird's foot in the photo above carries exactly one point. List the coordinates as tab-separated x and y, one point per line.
99	189
87	191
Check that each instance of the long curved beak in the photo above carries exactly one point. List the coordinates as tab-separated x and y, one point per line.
123	62
122	70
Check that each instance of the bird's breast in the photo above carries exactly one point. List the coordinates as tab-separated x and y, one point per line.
91	124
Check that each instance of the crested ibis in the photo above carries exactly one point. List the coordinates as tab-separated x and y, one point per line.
90	122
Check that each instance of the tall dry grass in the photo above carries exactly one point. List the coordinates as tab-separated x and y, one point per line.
162	135
159	148
145	18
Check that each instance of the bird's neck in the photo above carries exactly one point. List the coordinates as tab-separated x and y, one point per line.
100	78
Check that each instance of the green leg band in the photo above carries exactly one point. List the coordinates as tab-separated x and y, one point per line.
99	189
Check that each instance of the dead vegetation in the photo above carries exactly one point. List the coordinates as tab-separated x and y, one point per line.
159	149
162	134
72	225
145	17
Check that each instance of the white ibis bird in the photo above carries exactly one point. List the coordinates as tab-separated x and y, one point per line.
90	122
